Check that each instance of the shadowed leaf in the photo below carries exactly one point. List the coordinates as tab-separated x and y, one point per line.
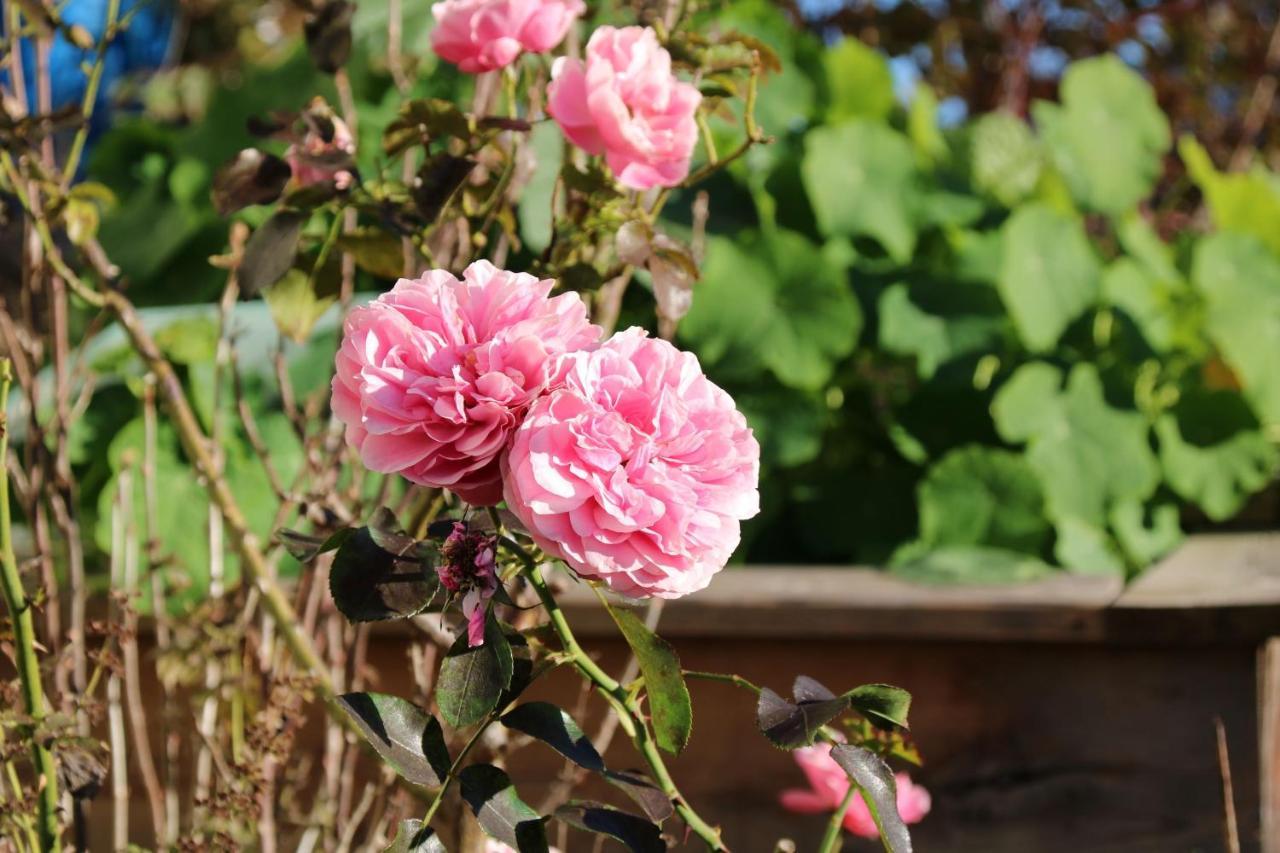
557	730
271	251
369	584
413	837
407	738
304	548
251	177
875	781
791	725
500	811
638	834
472	680
643	792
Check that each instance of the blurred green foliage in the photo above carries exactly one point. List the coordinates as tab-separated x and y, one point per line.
966	353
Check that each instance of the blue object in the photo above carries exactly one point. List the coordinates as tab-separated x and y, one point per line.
142	46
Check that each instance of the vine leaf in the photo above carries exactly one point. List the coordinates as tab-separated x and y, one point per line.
663	681
371	584
499	809
790	725
472	679
413	837
636	833
875	782
407	738
556	729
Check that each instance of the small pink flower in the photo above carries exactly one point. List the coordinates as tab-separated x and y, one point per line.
468	566
637	471
433	377
625	103
481	35
324	152
828	785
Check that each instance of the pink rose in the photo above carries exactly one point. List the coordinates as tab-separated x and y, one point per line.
433	377
637	470
481	35
325	150
625	103
829	784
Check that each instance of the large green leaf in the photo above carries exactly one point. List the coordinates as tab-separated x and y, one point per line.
966	564
775	301
1048	274
1108	136
979	495
1005	158
669	702
859	84
472	679
408	738
1088	455
860	178
500	811
1213	454
1240	281
1246	202
934	339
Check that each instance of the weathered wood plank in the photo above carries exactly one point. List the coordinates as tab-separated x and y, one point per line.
1269	742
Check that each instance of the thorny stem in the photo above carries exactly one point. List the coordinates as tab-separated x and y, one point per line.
832	840
24	642
627	706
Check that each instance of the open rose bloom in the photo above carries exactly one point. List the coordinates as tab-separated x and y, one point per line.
624	102
637	470
828	785
483	35
433	377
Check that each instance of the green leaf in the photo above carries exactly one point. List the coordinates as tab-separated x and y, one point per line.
1240	282
472	679
1213	454
408	738
858	82
860	178
777	302
669	702
922	126
556	729
979	495
1006	160
1244	202
370	584
1146	536
1086	547
299	300
1048	276
500	811
1151	303
378	253
534	211
966	564
1108	136
635	833
934	340
884	705
413	837
794	724
270	252
879	790
1087	454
